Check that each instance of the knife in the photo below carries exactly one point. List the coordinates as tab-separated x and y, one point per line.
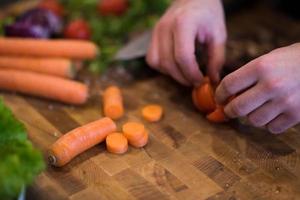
136	48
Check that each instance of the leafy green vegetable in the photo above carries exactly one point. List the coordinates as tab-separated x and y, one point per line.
110	32
20	161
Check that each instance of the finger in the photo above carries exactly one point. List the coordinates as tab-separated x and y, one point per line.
184	50
216	58
281	123
264	114
152	57
236	82
167	61
247	102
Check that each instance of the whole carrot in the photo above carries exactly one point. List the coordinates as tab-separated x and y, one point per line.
74	49
79	140
46	86
52	66
113	103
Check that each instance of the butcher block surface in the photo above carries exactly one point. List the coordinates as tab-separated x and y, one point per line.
187	157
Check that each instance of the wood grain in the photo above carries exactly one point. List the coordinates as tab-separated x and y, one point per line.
187	157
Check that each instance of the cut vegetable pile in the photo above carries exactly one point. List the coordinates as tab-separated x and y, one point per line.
20	161
85	137
204	100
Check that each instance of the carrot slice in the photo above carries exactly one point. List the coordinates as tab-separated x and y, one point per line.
142	142
46	86
195	99
74	49
52	66
204	98
113	103
152	113
217	116
116	143
79	140
133	131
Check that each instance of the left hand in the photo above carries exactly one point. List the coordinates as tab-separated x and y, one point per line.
267	90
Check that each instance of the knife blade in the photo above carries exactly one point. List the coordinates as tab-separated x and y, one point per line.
136	48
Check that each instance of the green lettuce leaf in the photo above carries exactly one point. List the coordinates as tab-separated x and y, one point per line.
20	161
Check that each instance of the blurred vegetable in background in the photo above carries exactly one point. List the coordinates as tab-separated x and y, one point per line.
109	23
35	23
111	31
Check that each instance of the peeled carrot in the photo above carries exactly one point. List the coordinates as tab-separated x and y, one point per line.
133	131
203	97
113	103
41	85
141	142
152	112
74	49
116	143
218	115
79	140
52	66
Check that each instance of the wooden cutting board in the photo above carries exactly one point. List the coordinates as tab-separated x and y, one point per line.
186	158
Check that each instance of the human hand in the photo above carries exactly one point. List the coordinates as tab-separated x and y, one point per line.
172	48
267	90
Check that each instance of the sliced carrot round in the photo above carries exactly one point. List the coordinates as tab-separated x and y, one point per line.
217	116
116	143
133	131
152	113
142	142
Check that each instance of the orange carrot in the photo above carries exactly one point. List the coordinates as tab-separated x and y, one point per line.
142	142
217	116
203	97
74	49
133	131
113	103
116	143
152	112
41	85
52	66
79	140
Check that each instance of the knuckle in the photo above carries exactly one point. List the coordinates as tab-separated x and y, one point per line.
256	120
263	65
162	25
227	85
166	64
151	61
180	21
237	108
273	86
181	58
288	104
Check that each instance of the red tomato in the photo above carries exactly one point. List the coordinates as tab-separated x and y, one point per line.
78	29
112	7
52	5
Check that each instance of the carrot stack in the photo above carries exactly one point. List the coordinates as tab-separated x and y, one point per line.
41	67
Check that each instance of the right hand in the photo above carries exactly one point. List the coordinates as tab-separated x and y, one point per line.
172	48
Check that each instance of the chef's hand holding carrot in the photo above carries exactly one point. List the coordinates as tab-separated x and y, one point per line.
186	22
267	90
